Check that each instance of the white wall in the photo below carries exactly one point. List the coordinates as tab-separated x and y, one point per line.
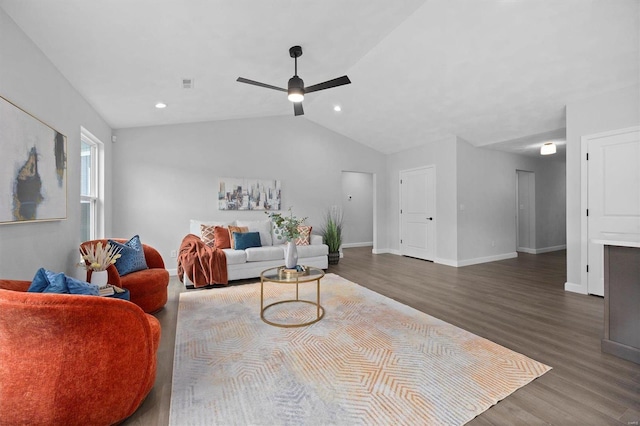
487	189
609	111
442	154
29	80
357	207
551	205
166	175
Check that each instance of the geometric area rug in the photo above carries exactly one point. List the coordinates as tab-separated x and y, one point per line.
370	360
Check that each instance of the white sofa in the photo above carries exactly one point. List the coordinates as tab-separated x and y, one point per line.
250	263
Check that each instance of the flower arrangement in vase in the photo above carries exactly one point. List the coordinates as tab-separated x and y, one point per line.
286	227
97	258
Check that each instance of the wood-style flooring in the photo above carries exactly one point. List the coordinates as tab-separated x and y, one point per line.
518	303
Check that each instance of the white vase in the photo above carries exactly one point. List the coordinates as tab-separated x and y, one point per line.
99	277
291	255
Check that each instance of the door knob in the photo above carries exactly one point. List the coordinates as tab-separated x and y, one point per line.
429	218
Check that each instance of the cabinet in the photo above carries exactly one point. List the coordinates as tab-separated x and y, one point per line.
622	300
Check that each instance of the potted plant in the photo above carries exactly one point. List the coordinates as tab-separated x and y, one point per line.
286	227
332	234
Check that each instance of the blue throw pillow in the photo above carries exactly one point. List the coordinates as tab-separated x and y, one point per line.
132	256
80	287
40	281
57	284
244	240
46	281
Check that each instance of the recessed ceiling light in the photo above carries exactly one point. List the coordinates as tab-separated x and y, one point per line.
337	108
161	105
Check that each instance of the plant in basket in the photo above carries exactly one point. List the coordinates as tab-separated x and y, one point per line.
332	234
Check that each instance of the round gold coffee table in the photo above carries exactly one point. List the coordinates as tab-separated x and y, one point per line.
279	275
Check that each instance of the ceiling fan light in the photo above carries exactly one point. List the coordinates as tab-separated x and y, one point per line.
548	148
295	96
295	89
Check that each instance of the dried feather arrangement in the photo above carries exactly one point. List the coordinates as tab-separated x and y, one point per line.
98	258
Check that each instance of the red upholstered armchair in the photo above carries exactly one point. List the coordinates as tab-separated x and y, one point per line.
72	359
147	288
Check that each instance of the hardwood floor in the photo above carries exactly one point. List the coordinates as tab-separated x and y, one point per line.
518	303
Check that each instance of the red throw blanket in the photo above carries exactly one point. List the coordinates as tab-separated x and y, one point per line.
202	264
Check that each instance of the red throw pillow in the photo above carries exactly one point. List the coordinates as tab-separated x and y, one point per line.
221	237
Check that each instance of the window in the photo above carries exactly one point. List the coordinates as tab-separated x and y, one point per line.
91	150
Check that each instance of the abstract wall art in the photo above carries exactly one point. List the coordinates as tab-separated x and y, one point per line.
249	194
33	168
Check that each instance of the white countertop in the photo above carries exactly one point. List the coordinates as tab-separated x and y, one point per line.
617	243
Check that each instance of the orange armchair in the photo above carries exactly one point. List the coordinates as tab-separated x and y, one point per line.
72	359
147	288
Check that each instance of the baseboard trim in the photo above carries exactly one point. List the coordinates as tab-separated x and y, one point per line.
447	262
386	251
550	249
456	263
526	250
486	259
542	250
365	244
575	288
173	272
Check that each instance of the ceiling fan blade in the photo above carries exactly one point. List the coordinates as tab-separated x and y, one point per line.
328	84
257	83
297	108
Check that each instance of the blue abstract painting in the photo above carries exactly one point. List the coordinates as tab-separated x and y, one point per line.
33	168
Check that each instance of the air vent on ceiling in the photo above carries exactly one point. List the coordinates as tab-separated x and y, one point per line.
187	83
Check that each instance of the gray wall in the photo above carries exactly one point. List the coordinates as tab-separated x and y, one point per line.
484	182
487	189
358	210
551	204
609	111
29	80
441	154
166	175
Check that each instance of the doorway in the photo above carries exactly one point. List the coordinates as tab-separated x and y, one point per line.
358	209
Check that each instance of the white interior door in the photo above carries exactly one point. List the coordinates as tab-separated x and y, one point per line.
417	213
613	197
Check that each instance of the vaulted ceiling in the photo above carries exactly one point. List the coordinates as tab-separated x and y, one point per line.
488	71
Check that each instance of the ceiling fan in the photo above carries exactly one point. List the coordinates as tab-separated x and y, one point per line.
296	89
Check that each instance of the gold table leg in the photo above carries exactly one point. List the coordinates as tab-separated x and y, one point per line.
319	308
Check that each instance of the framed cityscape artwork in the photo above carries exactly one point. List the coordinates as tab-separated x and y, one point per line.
249	194
33	168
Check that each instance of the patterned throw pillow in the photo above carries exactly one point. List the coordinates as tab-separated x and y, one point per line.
305	235
207	235
222	239
132	256
233	229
